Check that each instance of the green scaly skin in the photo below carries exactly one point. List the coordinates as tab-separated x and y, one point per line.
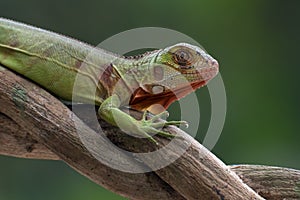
151	81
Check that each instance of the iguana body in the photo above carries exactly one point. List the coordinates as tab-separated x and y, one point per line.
58	63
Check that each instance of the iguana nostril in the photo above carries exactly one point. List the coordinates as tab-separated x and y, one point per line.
215	63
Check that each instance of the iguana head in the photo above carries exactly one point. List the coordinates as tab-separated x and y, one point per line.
173	73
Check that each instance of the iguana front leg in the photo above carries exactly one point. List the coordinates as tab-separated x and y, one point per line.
110	112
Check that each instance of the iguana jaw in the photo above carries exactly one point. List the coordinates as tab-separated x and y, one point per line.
174	80
143	100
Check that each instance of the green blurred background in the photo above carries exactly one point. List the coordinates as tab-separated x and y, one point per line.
257	43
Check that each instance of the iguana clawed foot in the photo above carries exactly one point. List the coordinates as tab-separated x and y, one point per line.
151	126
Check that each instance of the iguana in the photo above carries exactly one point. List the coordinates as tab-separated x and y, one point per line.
142	82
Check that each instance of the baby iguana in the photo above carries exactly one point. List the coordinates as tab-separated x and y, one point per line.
74	70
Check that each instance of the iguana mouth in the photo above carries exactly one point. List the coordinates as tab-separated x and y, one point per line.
142	100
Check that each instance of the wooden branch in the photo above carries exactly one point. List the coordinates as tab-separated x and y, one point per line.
16	141
36	125
274	183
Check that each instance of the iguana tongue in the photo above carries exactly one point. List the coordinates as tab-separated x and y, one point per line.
143	100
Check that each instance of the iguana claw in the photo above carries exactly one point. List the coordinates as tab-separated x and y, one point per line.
150	126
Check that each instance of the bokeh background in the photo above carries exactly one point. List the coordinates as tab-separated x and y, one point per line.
257	43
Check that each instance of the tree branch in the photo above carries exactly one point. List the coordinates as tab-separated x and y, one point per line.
36	125
274	183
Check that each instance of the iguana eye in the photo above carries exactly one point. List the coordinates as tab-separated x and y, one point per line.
182	57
